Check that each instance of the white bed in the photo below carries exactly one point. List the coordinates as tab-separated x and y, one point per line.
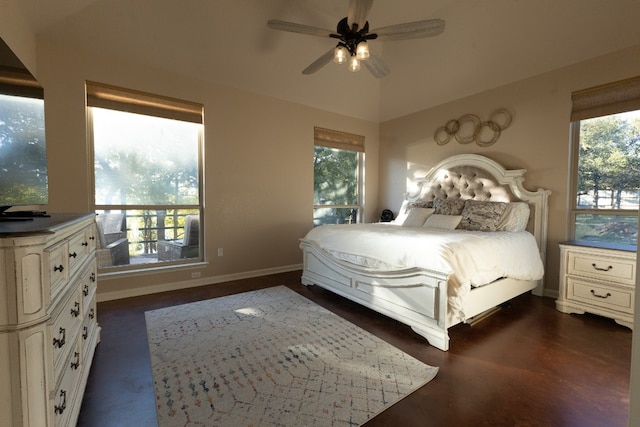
427	290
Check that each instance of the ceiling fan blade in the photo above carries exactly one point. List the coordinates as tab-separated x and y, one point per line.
319	63
410	30
376	67
358	12
298	28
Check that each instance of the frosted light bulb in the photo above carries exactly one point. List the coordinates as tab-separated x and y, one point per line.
354	64
362	51
340	55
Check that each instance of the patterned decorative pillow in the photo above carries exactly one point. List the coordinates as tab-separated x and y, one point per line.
515	217
481	215
448	206
416	217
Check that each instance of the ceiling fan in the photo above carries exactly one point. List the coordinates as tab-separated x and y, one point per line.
352	33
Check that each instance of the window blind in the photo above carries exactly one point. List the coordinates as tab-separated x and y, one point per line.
340	140
132	101
612	98
19	83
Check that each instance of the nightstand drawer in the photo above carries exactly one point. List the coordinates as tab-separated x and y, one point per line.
590	265
600	295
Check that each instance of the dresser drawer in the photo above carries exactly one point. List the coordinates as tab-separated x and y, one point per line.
78	250
600	294
65	328
89	326
64	398
619	270
57	267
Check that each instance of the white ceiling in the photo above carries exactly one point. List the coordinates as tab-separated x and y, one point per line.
486	43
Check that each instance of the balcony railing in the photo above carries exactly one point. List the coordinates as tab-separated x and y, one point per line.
144	229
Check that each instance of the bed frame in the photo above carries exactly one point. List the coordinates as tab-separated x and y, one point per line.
416	296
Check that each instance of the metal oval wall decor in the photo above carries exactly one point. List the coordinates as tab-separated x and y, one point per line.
469	128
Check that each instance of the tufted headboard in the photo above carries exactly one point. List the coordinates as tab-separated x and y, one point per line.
472	176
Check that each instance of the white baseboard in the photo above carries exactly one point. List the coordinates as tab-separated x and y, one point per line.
551	293
203	281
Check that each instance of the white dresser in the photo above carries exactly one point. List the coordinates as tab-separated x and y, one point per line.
597	279
48	325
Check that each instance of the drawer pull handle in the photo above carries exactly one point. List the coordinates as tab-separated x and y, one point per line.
60	409
59	342
92	277
58	268
600	268
73	255
92	238
85	333
75	311
85	290
92	314
600	296
76	364
85	243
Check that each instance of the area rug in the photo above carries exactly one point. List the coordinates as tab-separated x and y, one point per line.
272	358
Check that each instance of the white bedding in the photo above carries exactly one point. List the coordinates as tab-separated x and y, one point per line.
472	258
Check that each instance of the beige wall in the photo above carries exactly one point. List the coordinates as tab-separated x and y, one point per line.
17	35
258	165
537	140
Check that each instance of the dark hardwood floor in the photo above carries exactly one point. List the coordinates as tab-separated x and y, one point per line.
526	365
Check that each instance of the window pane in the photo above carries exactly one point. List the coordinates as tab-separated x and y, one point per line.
609	162
23	159
144	160
323	216
621	229
335	177
133	237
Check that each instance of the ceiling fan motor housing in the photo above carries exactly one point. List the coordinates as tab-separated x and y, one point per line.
350	37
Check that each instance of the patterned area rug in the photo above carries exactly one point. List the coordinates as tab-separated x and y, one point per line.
272	358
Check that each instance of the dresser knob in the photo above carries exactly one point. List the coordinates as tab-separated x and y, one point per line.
75	311
59	409
59	342
75	364
58	268
600	268
600	296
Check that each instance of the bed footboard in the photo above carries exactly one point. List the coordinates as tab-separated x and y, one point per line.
414	296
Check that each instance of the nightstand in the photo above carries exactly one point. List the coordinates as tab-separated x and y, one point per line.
597	279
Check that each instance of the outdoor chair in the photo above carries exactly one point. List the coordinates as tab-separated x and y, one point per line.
187	247
113	246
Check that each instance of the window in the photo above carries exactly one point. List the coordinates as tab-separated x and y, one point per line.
605	133
147	175
338	172
23	154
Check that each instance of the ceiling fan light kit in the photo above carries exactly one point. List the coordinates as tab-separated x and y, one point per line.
353	34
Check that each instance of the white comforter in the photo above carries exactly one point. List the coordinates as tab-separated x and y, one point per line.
472	258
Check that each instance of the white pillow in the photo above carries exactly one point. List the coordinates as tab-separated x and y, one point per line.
402	213
417	216
443	222
407	206
515	217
